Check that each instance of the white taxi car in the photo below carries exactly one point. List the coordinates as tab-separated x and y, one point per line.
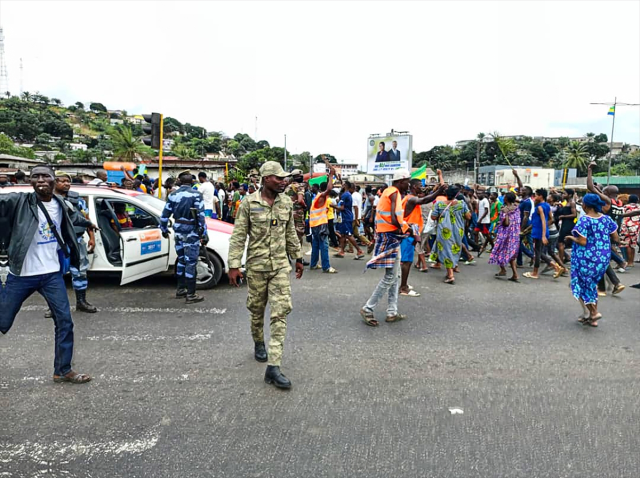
141	251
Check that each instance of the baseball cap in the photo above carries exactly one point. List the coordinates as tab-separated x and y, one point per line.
401	174
62	174
273	168
297	172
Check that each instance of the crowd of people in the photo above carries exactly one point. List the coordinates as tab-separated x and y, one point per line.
403	226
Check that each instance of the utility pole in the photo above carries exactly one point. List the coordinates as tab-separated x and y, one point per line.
612	112
255	130
285	152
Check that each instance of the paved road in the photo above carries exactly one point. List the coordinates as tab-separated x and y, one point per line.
178	394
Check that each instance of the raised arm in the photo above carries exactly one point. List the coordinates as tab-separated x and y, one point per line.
515	174
592	187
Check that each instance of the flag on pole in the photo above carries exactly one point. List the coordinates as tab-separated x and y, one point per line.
318	180
420	173
612	110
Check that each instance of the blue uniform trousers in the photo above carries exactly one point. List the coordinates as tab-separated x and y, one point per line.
187	249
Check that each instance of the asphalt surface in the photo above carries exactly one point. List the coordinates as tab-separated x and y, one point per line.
486	378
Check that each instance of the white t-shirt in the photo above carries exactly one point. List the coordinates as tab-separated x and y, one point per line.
42	255
222	195
356	197
208	191
96	182
483	206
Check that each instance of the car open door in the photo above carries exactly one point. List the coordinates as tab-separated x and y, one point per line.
143	250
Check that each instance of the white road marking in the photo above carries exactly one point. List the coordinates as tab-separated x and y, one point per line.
103	378
150	338
64	452
456	411
139	310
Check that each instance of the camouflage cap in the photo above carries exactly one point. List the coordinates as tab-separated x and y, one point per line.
62	174
297	172
273	168
182	173
254	172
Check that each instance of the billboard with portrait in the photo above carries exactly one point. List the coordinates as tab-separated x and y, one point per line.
385	154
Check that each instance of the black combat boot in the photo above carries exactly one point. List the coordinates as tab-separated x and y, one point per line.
181	293
274	376
81	303
260	352
192	297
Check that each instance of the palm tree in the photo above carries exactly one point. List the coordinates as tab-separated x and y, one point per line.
26	96
507	146
184	152
7	94
125	146
56	101
577	156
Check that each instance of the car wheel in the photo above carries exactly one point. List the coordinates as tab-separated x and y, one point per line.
208	275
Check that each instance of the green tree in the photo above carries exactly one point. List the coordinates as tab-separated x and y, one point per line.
126	147
263	144
332	159
79	105
98	108
577	156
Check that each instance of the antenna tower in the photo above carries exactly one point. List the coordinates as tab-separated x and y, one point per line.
4	76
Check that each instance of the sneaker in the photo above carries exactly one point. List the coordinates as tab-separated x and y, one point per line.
316	267
602	293
330	270
470	263
618	288
621	270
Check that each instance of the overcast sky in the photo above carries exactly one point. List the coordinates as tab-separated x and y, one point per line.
328	74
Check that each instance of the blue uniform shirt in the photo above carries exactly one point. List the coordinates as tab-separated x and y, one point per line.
179	204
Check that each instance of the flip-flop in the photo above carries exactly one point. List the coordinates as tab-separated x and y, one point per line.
411	293
340	256
449	281
424	270
358	257
499	274
529	275
514	279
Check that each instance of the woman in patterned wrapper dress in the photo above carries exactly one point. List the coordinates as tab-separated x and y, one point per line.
505	250
591	255
450	215
630	229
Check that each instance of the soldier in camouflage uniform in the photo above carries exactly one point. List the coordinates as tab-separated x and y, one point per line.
189	234
295	191
266	217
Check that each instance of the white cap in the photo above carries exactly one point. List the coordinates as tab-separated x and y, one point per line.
400	174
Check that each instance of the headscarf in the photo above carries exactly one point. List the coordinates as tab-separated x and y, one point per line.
593	201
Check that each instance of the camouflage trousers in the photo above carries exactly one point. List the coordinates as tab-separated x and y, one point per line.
273	287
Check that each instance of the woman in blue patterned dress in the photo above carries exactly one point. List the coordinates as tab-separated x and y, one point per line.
591	255
451	215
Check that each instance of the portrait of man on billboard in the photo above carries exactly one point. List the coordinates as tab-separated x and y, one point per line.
394	152
383	155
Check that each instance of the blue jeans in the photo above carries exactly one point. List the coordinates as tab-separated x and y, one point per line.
52	288
320	247
527	250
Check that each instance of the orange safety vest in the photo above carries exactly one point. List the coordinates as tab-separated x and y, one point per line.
383	212
416	215
318	214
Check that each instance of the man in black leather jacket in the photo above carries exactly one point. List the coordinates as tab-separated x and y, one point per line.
33	250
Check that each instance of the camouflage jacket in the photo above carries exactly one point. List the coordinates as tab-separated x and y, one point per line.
271	231
299	211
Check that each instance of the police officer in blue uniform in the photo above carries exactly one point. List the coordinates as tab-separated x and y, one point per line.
190	231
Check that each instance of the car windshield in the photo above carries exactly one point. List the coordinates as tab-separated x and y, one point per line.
151	201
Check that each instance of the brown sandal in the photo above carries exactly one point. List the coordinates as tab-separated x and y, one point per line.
72	377
395	318
368	318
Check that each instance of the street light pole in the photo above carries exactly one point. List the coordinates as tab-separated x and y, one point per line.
285	152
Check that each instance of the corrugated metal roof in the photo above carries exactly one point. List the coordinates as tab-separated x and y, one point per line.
625	180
